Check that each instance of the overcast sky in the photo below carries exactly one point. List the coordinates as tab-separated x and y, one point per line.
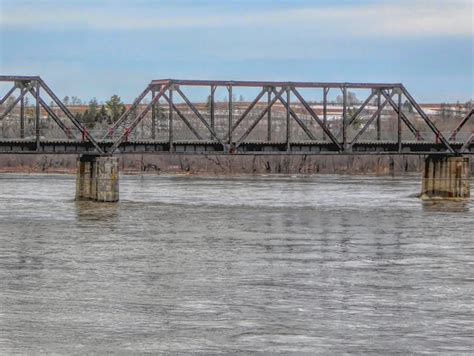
96	48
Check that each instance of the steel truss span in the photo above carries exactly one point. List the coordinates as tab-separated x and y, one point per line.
282	113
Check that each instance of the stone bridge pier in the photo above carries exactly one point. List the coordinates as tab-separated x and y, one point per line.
97	178
446	177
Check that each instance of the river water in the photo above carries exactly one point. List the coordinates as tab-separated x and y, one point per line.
291	265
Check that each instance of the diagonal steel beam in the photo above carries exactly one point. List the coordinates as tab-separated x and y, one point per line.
259	117
199	116
125	115
13	104
295	116
183	118
427	120
460	125
357	113
372	118
71	117
246	112
135	122
467	143
51	113
10	92
407	122
316	118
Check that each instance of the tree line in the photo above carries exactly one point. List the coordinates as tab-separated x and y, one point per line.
96	113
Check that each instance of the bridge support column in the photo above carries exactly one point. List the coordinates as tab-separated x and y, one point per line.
446	177
97	178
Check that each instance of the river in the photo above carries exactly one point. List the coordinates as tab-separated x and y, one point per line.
266	264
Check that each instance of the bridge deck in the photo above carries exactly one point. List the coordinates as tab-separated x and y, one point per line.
214	147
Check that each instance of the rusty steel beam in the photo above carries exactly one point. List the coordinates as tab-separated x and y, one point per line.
37	117
357	113
125	115
399	122
243	83
295	116
316	118
182	117
427	120
379	118
325	109
153	117
269	116
407	122
259	117
170	118
245	113
344	119
51	113
13	104
7	95
288	119
212	107
71	117
198	114
231	114
19	78
367	124
467	143
139	117
460	125
22	118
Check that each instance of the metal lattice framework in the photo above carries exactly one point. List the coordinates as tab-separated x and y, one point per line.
35	85
240	124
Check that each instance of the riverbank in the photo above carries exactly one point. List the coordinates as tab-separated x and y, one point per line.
226	164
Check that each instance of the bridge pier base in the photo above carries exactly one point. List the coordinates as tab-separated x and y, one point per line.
446	177
97	178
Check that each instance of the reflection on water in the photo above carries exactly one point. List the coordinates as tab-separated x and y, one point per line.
93	211
325	264
445	205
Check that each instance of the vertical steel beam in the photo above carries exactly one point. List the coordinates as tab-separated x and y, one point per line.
212	108
369	122
399	121
153	116
407	122
229	132
199	116
269	115
183	118
288	122
379	132
22	117
344	126
260	116
170	119
325	109
52	114
37	117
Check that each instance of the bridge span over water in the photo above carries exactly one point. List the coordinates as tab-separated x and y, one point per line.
281	118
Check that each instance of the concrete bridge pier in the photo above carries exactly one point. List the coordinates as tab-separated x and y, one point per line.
446	177
97	178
